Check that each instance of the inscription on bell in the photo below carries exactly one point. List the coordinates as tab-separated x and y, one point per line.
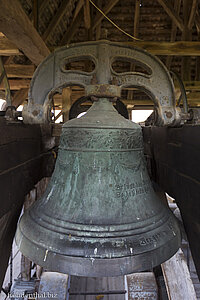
126	191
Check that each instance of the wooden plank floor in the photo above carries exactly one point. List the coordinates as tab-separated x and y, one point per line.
95	284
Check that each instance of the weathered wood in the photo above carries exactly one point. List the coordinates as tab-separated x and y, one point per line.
15	24
177	6
72	28
135	33
19	71
98	28
8	48
87	19
172	13
192	14
56	19
66	103
19	97
78	8
35	13
186	36
106	9
141	286
17	84
186	48
177	278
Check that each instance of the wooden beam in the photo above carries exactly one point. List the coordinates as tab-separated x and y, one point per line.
186	48
17	27
17	84
56	19
66	103
177	6
35	13
7	48
186	36
172	13
19	71
136	18
181	286
87	19
72	28
78	8
135	34
106	9
98	28
192	14
19	97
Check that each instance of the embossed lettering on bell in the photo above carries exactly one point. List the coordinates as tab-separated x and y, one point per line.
99	215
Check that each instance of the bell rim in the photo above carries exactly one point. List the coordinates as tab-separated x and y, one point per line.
98	267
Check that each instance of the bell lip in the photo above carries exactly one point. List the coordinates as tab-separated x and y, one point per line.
97	267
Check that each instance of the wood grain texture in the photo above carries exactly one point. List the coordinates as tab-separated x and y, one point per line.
177	278
17	27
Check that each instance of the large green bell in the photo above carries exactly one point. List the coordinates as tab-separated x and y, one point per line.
99	215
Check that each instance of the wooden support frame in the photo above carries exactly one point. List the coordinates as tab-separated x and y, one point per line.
172	13
106	9
177	278
56	19
7	48
177	6
17	27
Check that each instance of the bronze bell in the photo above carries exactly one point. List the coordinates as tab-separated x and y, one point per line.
99	215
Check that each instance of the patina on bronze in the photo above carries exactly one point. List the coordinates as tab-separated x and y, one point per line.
99	215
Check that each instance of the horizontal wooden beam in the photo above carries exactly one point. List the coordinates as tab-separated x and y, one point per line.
7	48
17	84
19	71
183	48
17	27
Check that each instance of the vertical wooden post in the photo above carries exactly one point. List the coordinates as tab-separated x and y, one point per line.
66	103
186	36
135	33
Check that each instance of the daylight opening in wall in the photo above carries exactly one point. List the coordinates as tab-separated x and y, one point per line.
140	115
81	114
60	118
2	104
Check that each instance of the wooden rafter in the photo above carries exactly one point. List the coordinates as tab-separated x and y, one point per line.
19	97
172	13
17	27
106	9
192	14
98	28
177	6
41	7
7	48
186	36
135	33
56	19
72	28
87	19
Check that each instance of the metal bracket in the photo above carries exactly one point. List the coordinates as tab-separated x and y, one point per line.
52	75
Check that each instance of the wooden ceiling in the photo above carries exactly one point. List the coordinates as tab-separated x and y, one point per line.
31	29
